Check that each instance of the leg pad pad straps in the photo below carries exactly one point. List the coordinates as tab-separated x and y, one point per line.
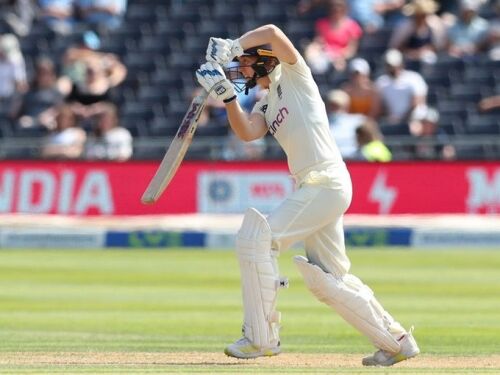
352	300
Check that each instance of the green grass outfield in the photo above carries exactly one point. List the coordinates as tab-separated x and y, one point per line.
167	311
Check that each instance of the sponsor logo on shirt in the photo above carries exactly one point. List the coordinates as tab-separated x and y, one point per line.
264	108
280	117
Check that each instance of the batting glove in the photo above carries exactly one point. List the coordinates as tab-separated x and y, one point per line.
223	51
212	78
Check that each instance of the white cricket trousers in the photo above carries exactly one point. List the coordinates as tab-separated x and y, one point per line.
314	214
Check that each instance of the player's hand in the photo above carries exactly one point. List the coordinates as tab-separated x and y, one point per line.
223	51
212	78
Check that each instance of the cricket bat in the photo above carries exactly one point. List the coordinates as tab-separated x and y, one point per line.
176	151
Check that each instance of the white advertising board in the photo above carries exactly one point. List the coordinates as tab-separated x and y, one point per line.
234	192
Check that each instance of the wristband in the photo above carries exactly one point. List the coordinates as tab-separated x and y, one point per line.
229	100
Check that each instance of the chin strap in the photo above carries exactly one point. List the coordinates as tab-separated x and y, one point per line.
259	71
251	83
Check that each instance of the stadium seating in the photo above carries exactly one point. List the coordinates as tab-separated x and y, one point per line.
163	41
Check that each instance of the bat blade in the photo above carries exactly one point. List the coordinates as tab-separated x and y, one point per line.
176	151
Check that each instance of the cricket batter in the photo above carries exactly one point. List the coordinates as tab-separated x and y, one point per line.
294	113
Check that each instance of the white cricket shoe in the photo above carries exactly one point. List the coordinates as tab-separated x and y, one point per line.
244	349
409	349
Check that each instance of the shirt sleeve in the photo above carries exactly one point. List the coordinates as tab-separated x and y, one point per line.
261	107
299	67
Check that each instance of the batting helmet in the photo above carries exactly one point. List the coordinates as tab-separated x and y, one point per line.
263	66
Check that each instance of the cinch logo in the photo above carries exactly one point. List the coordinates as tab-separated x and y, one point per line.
278	121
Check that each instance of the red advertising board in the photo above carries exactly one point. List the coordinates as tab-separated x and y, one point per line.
88	188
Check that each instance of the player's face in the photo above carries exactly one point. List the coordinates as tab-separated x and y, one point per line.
246	65
248	72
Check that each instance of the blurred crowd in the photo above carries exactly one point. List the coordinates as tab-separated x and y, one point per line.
395	99
72	98
68	101
422	32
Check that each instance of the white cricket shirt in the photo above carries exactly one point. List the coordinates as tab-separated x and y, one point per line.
296	116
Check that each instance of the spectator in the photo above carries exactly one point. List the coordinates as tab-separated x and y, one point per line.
469	33
17	17
370	145
37	107
364	12
12	48
58	15
449	8
343	124
431	142
108	141
364	96
90	75
336	40
82	60
75	58
403	92
103	15
12	70
95	87
370	14
421	36
493	38
391	11
66	140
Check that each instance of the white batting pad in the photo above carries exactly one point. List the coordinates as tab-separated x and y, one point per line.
354	301
259	279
